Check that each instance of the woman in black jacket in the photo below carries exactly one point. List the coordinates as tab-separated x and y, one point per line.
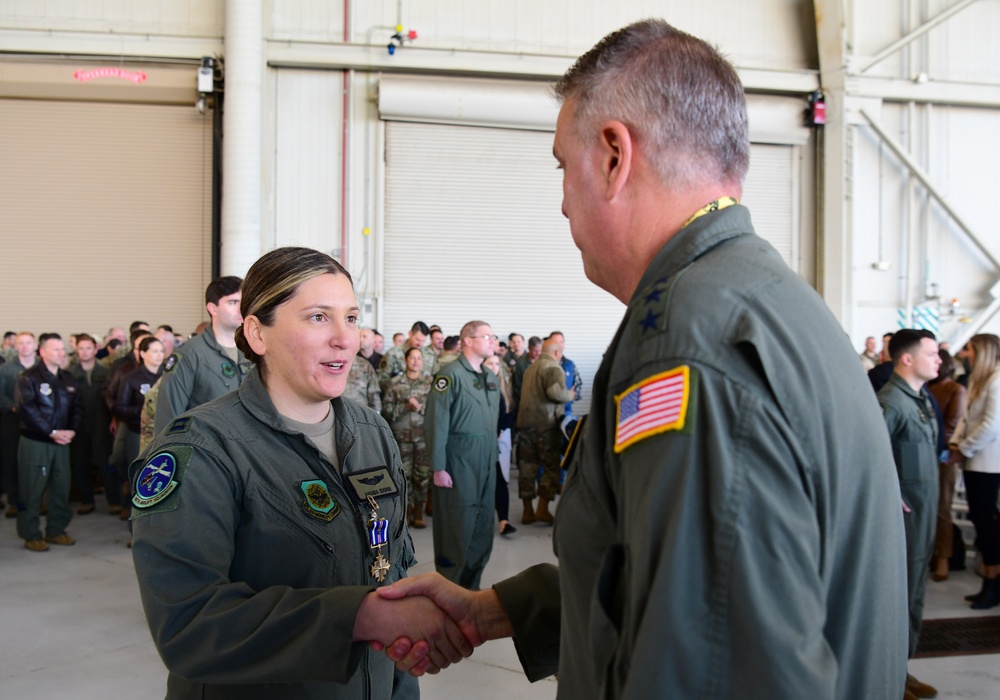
132	393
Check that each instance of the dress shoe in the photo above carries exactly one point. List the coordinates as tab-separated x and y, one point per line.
11	512
507	529
939	577
62	538
114	510
36	545
85	509
921	690
907	695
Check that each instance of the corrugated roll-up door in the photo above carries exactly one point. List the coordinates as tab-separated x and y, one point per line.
771	192
105	215
474	230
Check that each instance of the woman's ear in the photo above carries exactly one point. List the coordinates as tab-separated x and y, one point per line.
253	331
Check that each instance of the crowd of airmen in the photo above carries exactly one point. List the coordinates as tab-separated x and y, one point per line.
118	402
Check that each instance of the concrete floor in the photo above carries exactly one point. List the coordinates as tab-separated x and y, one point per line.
74	628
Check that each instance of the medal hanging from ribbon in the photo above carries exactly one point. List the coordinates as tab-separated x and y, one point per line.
378	536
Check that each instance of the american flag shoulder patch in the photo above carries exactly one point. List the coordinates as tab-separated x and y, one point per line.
654	405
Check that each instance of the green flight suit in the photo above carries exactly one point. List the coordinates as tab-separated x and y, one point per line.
197	373
756	548
461	431
252	553
912	424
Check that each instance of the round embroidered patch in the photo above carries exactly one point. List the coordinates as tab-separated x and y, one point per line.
441	383
155	480
171	362
228	370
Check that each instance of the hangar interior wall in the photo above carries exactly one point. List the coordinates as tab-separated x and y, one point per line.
325	182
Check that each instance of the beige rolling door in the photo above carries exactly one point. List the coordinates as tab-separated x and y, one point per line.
105	214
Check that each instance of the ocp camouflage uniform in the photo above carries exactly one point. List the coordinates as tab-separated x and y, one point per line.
362	385
147	419
394	364
408	429
539	439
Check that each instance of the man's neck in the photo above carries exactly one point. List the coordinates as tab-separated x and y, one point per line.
366	355
26	361
53	369
224	337
475	361
88	365
914	382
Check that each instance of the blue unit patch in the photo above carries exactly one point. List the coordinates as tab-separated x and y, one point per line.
155	480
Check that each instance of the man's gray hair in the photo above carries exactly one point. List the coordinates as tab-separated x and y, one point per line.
677	95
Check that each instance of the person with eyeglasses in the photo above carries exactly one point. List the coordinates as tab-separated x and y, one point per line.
460	427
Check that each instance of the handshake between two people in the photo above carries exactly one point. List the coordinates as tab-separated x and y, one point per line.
426	623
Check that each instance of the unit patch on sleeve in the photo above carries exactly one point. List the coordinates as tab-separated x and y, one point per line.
171	362
441	383
654	405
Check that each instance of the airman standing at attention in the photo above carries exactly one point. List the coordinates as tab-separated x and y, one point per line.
209	365
461	429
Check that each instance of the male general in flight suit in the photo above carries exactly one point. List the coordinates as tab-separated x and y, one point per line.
209	365
730	523
460	427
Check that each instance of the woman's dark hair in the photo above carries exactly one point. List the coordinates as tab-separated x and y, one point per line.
273	280
146	342
406	355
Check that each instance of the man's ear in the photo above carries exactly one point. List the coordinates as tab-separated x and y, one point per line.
616	152
253	331
213	309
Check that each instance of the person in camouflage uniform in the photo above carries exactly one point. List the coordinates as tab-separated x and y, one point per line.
394	363
362	384
539	415
147	419
405	400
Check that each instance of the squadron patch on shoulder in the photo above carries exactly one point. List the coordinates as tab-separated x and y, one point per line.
318	502
171	362
655	405
441	383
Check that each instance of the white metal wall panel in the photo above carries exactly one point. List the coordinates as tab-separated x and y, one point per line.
105	215
763	34
307	158
155	17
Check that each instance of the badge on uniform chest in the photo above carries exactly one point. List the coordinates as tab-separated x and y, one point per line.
370	486
318	502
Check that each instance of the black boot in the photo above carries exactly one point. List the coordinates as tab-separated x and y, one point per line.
991	595
976	596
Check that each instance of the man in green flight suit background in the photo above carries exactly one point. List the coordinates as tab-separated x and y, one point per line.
912	424
209	365
461	433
